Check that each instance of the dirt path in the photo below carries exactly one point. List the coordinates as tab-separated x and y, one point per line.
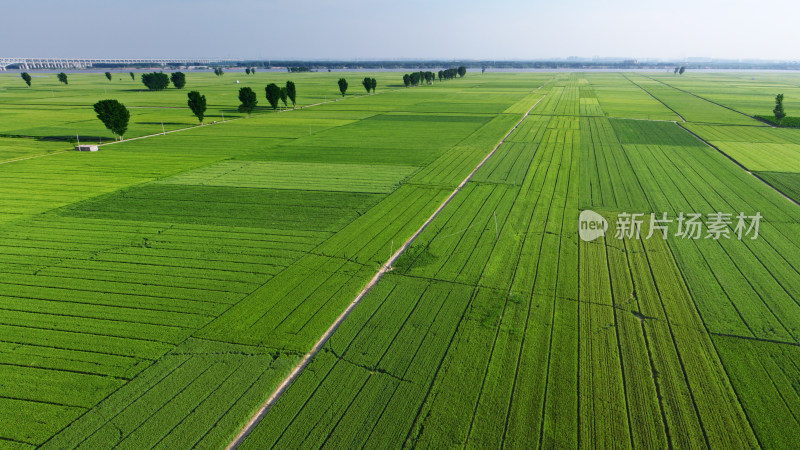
262	411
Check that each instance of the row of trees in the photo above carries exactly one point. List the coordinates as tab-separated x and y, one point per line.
680	70
115	116
415	78
218	71
153	81
369	84
250	70
274	94
158	81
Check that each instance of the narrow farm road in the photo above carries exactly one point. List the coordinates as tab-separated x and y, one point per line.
386	267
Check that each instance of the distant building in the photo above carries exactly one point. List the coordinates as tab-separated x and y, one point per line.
86	148
630	62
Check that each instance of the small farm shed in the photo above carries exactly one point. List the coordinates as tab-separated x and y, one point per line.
86	148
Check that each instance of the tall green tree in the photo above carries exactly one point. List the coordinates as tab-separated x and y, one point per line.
283	95
178	79
114	115
342	85
681	70
26	77
248	99
291	91
197	103
406	80
778	111
247	71
62	77
108	75
374	84
133	76
156	81
367	83
462	71
273	95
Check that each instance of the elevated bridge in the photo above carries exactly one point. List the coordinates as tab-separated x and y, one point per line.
82	63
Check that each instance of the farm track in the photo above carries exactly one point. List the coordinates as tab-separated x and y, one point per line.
387	266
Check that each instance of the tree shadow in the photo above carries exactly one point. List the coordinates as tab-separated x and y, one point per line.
165	123
65	138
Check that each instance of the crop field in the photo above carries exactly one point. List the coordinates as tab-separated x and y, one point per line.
157	292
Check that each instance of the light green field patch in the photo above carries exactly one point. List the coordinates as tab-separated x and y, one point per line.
303	176
590	106
13	149
764	156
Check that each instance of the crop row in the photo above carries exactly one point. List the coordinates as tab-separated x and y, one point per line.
378	178
741	288
195	395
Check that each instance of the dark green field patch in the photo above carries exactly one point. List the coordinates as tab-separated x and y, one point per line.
228	206
347	155
658	133
432	118
788	183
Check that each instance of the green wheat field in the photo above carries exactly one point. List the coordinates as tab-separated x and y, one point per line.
156	292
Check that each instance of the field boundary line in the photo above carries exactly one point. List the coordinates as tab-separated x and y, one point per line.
651	95
740	165
709	101
386	267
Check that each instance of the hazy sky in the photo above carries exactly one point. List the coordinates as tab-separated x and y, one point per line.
350	29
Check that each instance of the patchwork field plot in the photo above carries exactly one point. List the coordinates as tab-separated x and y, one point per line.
308	176
155	294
